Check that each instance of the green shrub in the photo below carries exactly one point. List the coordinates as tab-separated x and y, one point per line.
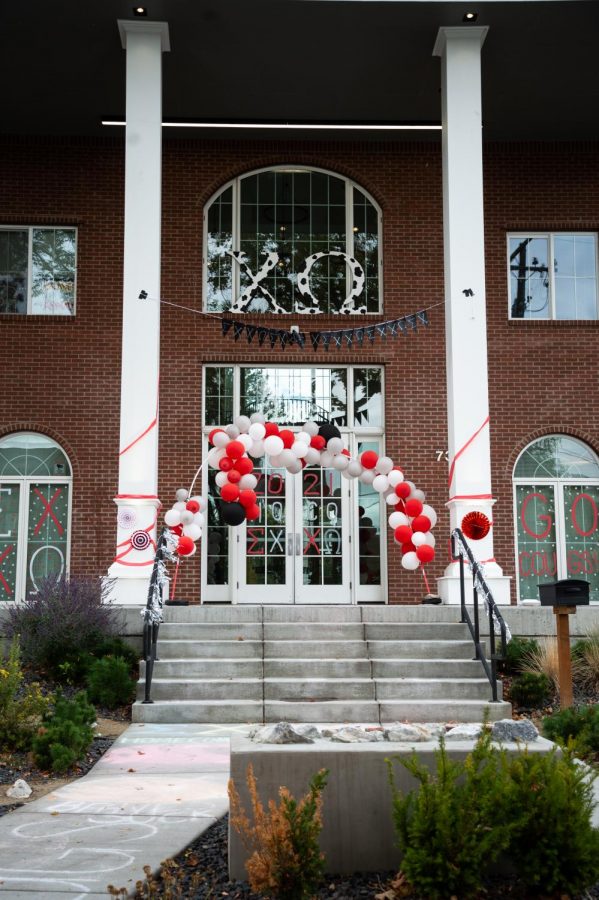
578	725
452	828
516	651
21	706
530	689
555	847
65	735
116	646
109	682
586	655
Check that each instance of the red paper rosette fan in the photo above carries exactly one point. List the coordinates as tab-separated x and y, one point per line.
476	526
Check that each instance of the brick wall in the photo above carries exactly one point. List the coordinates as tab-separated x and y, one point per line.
61	376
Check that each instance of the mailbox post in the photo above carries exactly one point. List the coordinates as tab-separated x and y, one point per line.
564	596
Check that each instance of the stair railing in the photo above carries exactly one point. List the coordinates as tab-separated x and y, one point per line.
152	613
460	550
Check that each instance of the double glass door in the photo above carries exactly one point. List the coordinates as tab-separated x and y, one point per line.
298	551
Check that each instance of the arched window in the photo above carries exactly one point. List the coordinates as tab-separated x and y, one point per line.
556	497
35	504
292	240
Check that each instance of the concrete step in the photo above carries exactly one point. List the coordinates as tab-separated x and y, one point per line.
317	668
210	631
418	649
193	711
203	689
315	649
313	631
206	668
414	631
432	689
398	613
312	613
310	689
322	711
218	612
442	711
426	668
171	649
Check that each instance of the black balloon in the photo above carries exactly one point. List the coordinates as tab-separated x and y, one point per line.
328	431
232	513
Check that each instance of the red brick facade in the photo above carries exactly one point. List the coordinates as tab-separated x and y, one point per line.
62	376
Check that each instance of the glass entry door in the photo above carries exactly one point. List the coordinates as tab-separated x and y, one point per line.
298	551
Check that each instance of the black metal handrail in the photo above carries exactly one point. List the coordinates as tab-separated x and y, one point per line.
459	548
153	616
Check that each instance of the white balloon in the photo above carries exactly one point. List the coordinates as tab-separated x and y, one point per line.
247	482
429	539
299	449
391	499
186	517
257	449
257	431
258	417
198	519
215	456
246	440
398	518
221	479
273	445
395	477
311	428
367	476
203	503
326	459
412	487
419	495
380	483
355	468
410	561
312	456
275	461
295	466
220	439
418	538
193	531
287	458
192	551
172	517
340	462
182	494
431	514
179	505
243	423
345	474
384	465
232	431
303	437
335	445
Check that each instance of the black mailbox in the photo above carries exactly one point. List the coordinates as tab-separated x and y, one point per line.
568	592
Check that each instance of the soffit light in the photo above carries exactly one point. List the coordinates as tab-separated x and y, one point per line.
290	126
140	11
470	17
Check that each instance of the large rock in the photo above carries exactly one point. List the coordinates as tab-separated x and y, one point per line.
281	733
353	734
310	731
435	729
514	730
20	790
400	731
466	732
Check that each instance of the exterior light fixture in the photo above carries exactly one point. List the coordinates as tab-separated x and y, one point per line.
140	11
470	17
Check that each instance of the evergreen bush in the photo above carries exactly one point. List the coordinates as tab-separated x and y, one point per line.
515	652
22	707
65	735
109	682
530	690
577	725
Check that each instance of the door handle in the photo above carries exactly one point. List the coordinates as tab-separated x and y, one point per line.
290	542
298	544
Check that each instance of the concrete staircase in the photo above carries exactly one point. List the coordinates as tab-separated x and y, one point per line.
316	664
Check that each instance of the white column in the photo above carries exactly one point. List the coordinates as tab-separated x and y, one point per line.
137	501
469	479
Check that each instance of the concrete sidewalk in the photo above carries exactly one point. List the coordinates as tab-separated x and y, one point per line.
151	794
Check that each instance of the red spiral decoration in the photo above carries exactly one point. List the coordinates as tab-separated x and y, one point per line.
476	526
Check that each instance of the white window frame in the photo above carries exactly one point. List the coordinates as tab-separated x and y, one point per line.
30	229
349	240
550	237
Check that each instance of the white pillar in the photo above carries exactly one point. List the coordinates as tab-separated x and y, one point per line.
137	501
469	480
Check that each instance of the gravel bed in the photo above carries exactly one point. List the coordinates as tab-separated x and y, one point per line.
20	765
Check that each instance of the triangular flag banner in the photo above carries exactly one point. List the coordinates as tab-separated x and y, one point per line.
251	331
423	317
273	336
349	337
238	328
299	337
226	325
381	329
337	338
262	332
326	339
392	326
401	324
359	335
284	337
412	322
370	332
315	337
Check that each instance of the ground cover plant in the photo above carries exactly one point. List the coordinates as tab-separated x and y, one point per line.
577	727
109	682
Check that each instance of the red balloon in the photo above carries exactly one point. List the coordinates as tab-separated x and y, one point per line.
252	512
234	476
421	523
244	465
193	506
407	548
234	449
413	507
318	442
185	545
400	506
346	452
402	489
287	437
247	498
229	492
425	553
369	459
213	432
225	464
271	428
403	534
178	529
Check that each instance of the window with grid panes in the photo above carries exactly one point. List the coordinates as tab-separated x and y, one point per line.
38	269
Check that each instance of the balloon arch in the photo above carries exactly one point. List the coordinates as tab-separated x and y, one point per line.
411	519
